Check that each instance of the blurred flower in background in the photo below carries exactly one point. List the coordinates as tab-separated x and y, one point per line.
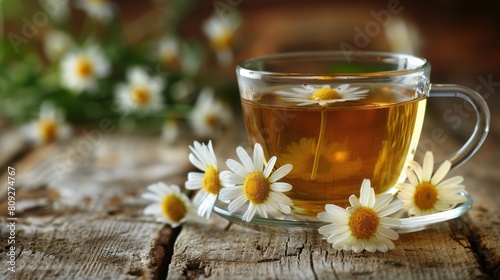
141	94
101	10
49	127
131	63
81	69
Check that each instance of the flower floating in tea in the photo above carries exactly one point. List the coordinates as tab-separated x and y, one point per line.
209	184
322	94
142	93
81	69
49	127
427	193
364	225
169	205
255	182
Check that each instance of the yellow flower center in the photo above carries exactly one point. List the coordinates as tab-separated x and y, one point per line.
425	196
222	41
363	222
173	208
140	95
325	94
256	187
48	130
84	68
211	182
211	120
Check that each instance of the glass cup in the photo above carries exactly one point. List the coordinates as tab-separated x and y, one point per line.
339	120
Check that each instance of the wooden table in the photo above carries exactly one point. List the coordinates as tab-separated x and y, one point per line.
79	216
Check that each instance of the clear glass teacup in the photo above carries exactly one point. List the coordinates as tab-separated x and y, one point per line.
338	120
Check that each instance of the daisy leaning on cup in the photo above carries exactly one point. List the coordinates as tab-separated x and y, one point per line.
254	182
208	183
169	205
427	193
364	225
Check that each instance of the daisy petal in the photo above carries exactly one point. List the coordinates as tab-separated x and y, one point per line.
441	172
427	167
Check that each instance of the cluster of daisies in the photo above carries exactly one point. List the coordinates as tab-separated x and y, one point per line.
252	185
82	70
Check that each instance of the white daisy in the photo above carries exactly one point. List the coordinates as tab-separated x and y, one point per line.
57	44
169	51
209	184
58	10
220	31
142	93
254	181
364	225
49	127
427	193
101	10
81	69
169	205
322	95
209	116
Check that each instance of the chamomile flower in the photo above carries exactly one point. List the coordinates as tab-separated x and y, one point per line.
169	205
209	184
81	69
220	31
364	225
169	51
56	9
142	93
101	10
57	44
427	193
209	116
254	182
322	95
49	127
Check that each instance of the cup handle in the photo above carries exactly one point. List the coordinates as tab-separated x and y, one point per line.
482	119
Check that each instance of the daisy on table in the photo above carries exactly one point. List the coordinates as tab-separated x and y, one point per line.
81	69
169	205
254	182
141	93
209	116
220	31
208	183
427	193
101	10
49	127
364	225
322	94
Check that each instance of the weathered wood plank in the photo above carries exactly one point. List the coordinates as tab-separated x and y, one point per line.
87	246
86	221
219	250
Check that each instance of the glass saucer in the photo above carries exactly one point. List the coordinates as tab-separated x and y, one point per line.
309	224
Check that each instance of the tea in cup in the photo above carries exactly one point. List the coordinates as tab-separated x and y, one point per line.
339	121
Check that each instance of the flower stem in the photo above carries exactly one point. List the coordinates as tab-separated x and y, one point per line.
320	143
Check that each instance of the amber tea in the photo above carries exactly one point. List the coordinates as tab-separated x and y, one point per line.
333	148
